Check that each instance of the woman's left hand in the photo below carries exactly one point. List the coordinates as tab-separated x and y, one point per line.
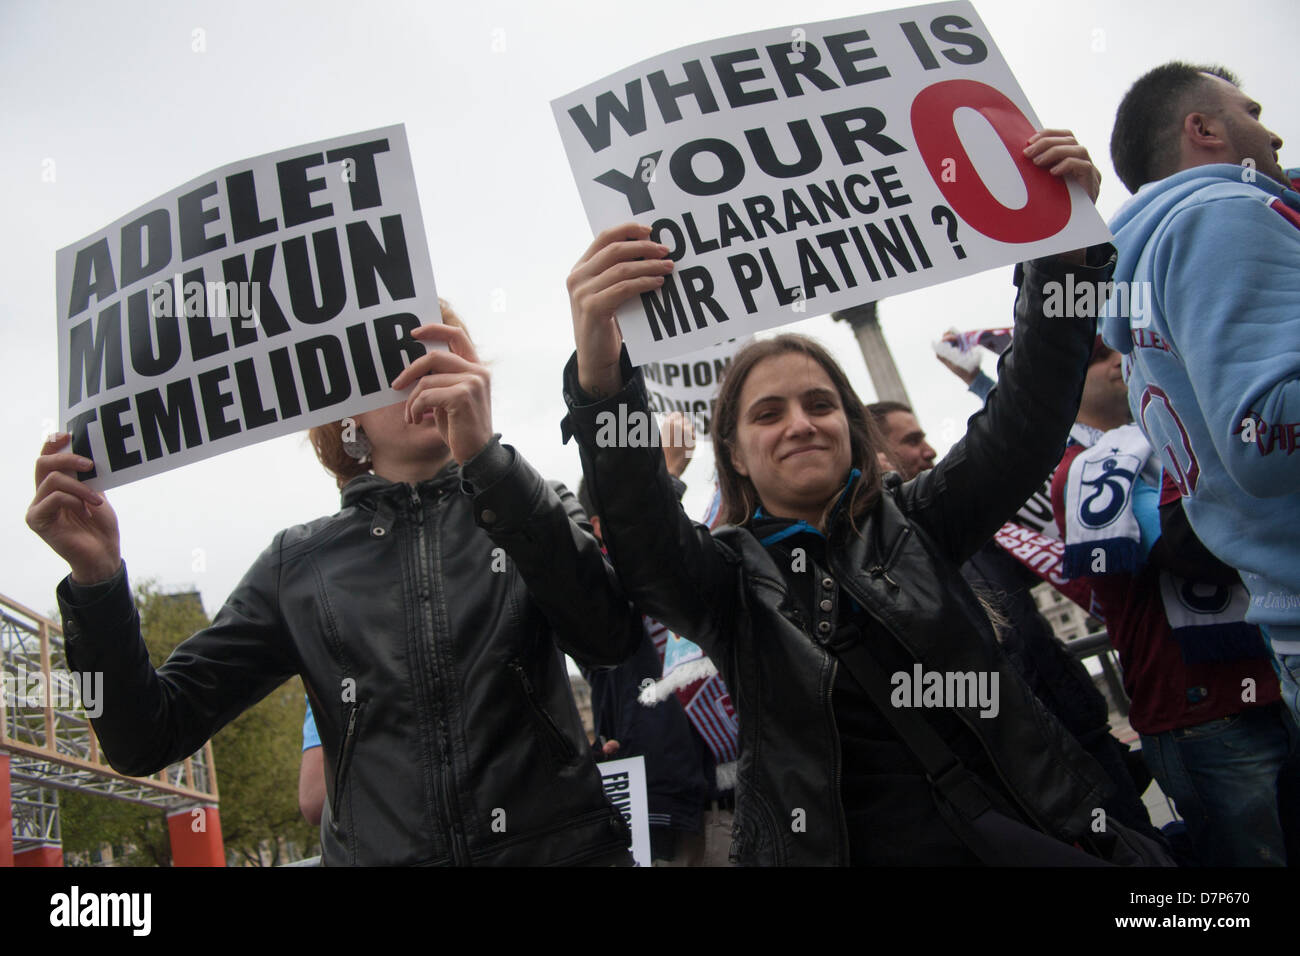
1060	152
453	387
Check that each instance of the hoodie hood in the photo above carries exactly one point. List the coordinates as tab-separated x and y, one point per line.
1139	219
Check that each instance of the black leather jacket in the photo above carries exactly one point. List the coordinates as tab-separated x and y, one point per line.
427	624
724	591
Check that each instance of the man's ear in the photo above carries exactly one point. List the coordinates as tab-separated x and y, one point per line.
1203	131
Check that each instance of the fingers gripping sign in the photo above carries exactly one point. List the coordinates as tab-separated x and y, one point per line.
452	387
1060	153
621	263
76	522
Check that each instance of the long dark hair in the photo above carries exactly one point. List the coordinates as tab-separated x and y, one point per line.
739	497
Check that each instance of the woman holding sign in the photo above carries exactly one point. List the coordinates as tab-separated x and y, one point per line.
426	619
879	723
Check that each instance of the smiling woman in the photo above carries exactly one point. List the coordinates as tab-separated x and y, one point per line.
826	578
792	427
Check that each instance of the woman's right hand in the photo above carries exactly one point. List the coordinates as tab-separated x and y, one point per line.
621	263
77	523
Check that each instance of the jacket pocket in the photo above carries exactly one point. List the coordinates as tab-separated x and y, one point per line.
557	743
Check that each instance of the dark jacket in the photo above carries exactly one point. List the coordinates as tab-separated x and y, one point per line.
676	789
427	623
724	591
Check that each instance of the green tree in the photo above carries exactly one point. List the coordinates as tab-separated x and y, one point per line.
256	758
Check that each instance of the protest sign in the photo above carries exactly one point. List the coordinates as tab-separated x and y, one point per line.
265	297
829	164
624	783
689	384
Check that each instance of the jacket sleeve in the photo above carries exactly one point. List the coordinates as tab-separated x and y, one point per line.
674	570
546	534
1012	444
153	718
1227	271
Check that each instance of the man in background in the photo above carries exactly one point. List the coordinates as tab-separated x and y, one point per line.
1206	311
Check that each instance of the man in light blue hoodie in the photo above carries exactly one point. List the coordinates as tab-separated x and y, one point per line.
1206	310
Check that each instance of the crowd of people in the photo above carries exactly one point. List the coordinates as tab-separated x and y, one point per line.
877	686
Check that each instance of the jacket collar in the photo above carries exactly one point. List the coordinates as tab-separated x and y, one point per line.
770	530
374	489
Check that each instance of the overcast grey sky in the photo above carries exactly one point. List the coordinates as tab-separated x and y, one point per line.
116	102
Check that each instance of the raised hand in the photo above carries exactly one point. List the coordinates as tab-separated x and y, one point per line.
967	375
1061	154
677	436
621	263
76	522
453	387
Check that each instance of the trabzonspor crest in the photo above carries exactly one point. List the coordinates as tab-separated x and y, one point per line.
1107	485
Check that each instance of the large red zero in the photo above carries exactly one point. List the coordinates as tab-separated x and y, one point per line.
1048	208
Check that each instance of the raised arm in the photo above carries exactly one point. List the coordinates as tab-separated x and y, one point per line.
150	718
154	718
543	529
673	569
1012	444
1015	441
546	537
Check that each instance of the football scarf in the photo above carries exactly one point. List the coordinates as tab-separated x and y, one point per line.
1101	533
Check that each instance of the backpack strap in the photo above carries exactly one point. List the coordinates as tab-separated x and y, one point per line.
990	832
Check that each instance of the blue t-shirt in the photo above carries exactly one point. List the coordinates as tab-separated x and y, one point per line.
310	737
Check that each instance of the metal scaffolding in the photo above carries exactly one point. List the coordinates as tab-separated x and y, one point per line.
52	746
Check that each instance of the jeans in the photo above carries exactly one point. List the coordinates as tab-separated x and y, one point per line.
1236	782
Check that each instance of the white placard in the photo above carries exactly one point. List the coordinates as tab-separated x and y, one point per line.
624	782
265	297
815	167
689	384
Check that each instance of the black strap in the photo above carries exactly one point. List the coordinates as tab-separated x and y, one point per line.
992	833
943	769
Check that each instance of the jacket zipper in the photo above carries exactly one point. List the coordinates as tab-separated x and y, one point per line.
345	756
459	852
837	771
553	729
882	570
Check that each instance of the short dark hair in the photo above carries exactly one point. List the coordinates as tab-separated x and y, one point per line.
880	410
1149	118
